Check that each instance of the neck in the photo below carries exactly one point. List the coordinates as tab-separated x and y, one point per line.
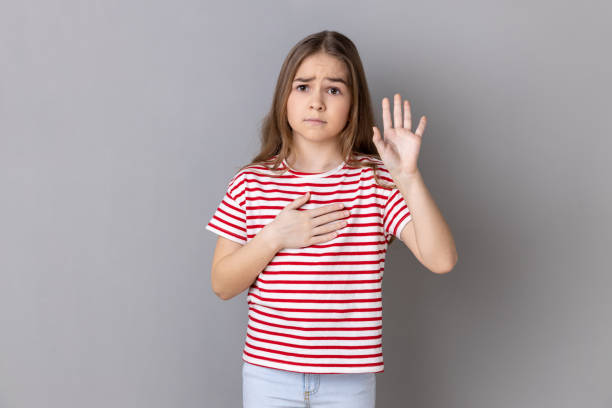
319	163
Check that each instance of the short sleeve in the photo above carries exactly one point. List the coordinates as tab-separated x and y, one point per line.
229	219
396	213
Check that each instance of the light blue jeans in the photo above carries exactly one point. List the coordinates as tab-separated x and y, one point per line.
264	387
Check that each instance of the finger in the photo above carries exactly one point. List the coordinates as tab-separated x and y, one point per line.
329	218
322	238
329	227
315	212
397	111
407	115
386	114
421	127
377	139
298	202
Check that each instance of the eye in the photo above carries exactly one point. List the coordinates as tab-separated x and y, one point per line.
336	90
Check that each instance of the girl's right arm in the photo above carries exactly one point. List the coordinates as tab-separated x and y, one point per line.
236	266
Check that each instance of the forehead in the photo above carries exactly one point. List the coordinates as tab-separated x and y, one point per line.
322	65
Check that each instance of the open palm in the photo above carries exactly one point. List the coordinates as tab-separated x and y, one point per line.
399	150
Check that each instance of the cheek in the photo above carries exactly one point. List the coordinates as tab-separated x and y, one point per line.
293	113
292	102
342	110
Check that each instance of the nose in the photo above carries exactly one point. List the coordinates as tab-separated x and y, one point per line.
316	102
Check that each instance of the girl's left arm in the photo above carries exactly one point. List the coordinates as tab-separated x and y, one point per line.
399	151
433	237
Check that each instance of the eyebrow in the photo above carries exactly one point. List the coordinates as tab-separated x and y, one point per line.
328	78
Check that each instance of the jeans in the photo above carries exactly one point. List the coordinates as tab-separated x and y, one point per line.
264	387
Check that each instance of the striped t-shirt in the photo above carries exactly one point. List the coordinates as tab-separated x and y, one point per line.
316	309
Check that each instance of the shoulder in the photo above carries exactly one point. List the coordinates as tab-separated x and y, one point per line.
256	171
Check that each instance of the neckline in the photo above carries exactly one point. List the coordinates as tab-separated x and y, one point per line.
313	175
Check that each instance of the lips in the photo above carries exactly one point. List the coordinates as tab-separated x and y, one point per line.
314	120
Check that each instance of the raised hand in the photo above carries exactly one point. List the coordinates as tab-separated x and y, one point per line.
400	148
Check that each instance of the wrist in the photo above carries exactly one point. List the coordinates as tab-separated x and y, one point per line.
406	177
270	238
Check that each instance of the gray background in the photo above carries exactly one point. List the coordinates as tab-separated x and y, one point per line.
121	123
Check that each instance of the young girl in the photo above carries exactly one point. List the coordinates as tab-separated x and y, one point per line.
306	225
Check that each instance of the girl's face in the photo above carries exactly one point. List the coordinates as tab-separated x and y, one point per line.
319	91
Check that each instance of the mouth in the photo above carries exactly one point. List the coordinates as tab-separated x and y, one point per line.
315	121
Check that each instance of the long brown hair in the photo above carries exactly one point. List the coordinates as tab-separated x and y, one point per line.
355	138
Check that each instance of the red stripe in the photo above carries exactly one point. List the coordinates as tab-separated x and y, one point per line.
321	193
271	216
317	282
316	291
288	309
313	201
349	225
281	343
236	186
282	326
348	234
399	222
295	336
392	221
226	231
381	173
308	319
388	211
315	184
222	211
229	224
321	272
286	353
280	207
382	251
354	243
311	365
240	210
329	263
319	301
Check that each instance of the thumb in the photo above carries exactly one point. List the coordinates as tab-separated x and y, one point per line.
377	139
